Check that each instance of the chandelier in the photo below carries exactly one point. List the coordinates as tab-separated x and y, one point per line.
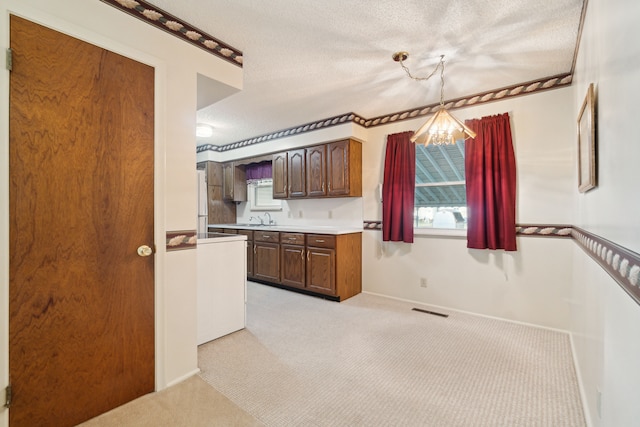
441	128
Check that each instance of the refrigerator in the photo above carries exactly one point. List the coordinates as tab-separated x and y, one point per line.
203	212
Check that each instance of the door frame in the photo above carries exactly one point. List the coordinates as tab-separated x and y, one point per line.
14	7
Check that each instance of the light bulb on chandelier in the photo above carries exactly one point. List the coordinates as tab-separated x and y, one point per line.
441	128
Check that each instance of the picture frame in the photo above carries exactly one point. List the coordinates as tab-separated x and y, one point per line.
587	155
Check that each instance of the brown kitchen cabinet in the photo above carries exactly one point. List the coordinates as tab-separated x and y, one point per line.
321	264
249	234
327	170
316	171
234	181
334	264
344	169
220	211
296	173
293	260
266	256
279	164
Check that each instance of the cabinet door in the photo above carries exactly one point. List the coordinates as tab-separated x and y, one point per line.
249	234
321	270
338	168
296	173
227	187
316	173
266	261
214	173
279	165
293	265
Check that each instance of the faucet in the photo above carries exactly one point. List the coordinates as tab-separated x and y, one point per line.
270	221
257	219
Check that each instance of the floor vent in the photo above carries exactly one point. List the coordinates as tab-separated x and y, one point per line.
430	312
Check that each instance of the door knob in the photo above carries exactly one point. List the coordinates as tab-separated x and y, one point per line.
144	250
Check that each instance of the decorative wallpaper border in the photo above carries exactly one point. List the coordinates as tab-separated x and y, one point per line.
307	127
177	27
622	264
182	239
553	82
521	229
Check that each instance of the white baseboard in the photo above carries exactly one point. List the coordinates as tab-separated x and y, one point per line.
439	307
583	393
182	378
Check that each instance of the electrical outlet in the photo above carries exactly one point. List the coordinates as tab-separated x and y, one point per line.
423	282
300	214
289	214
330	214
599	402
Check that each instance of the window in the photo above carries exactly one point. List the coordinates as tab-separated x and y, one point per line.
261	196
440	196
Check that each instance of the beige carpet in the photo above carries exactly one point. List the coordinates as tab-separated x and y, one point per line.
192	403
371	361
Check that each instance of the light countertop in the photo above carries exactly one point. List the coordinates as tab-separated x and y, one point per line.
204	238
319	229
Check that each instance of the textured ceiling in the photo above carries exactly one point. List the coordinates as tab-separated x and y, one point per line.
310	60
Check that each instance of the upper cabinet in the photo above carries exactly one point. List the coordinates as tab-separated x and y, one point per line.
344	169
234	180
328	170
279	169
296	173
316	175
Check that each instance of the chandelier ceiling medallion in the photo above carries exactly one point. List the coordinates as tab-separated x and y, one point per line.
441	128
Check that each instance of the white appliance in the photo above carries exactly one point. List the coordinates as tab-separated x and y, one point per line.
203	210
222	285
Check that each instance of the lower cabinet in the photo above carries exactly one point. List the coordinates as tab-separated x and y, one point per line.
321	270
249	234
330	265
292	251
266	256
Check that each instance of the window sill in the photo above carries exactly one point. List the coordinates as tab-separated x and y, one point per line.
447	232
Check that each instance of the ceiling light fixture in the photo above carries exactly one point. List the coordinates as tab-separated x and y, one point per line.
441	128
204	130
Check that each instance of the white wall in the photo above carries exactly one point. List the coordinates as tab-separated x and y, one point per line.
605	320
176	64
531	285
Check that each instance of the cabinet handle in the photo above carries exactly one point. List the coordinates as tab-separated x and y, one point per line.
308	253
323	187
254	249
329	187
319	241
302	254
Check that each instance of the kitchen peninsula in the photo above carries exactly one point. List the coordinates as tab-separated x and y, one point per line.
222	285
318	260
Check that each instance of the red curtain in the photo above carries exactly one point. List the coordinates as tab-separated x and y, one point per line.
490	169
398	188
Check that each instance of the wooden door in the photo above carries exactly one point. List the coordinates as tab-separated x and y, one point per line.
279	165
316	171
296	169
81	300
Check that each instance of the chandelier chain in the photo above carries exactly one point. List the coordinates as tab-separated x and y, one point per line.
439	65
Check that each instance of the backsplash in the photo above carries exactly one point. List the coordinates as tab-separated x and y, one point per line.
337	212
